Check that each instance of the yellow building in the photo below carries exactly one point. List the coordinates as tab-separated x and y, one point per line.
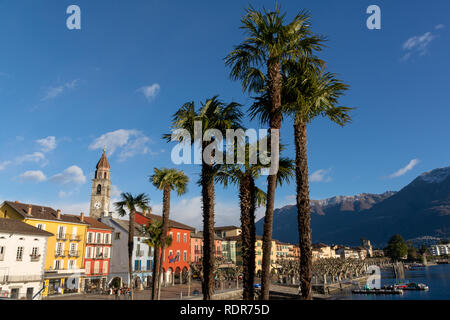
65	250
258	252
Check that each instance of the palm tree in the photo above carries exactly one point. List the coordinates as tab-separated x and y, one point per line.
129	202
213	114
270	44
153	232
251	197
166	180
310	93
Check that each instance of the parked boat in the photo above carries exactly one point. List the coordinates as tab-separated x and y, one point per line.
411	286
378	291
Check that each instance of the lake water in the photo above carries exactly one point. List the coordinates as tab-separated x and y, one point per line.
437	278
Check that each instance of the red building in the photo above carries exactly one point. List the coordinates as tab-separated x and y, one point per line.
97	254
197	246
178	255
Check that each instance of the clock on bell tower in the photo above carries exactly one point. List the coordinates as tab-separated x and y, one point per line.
101	189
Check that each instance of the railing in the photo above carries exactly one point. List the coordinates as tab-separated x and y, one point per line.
35	257
61	236
198	252
75	237
20	278
60	253
73	253
139	253
98	256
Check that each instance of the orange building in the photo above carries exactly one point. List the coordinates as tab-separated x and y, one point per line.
197	246
177	256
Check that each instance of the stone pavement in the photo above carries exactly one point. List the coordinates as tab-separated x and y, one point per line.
167	293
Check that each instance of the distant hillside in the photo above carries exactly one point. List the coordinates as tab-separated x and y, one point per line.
422	208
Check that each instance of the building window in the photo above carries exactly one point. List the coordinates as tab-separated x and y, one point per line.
35	251
117	236
40	226
59	264
2	253
178	237
99	189
99	238
185	238
88	267
105	267
171	235
185	255
60	232
88	252
106	253
72	264
107	239
19	255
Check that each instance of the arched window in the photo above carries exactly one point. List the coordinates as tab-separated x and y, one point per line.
99	189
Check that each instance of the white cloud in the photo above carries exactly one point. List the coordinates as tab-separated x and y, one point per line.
439	26
150	92
4	164
33	176
320	176
47	144
32	157
189	211
73	174
115	192
417	44
405	169
54	92
130	143
72	208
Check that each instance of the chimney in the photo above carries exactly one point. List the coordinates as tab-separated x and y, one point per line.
58	214
82	217
29	210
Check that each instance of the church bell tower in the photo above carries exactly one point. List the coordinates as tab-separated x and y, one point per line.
101	189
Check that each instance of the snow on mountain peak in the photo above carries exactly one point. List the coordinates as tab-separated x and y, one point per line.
436	175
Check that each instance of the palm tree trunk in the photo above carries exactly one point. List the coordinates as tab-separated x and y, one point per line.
130	250
275	82
248	203
303	210
165	230
208	230
155	283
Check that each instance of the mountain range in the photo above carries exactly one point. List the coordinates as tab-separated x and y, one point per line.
422	208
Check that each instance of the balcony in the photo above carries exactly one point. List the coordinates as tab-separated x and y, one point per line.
98	256
139	253
75	237
74	253
198	251
61	236
35	257
20	278
61	253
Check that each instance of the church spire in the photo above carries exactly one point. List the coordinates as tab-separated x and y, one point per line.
103	162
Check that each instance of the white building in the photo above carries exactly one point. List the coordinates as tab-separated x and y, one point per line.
22	259
440	249
347	253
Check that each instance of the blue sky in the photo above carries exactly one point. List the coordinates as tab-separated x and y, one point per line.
117	81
